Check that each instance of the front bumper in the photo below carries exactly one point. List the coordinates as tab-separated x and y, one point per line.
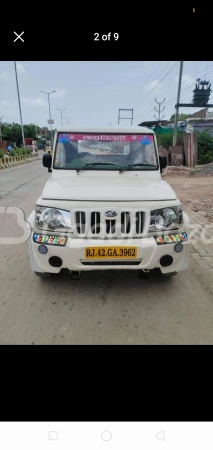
72	256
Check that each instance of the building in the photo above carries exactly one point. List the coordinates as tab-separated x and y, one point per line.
200	121
43	132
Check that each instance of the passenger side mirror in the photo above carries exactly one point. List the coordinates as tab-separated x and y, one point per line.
47	161
163	162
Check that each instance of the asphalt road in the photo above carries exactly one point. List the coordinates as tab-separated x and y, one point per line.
101	307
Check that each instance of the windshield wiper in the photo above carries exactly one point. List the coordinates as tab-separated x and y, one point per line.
135	165
89	165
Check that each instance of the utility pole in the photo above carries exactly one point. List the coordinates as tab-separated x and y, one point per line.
48	95
125	118
0	129
61	110
177	105
159	110
19	102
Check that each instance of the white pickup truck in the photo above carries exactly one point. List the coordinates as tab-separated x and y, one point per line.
106	206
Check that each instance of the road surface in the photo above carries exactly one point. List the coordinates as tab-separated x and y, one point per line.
100	308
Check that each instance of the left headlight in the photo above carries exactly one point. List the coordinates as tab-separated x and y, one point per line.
52	219
166	219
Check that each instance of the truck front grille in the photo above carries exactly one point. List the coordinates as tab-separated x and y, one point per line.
95	223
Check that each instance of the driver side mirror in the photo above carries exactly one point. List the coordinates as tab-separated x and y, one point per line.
47	161
163	162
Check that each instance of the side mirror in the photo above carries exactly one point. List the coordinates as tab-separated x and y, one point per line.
47	161
163	162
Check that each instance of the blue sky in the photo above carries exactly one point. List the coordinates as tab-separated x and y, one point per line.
92	92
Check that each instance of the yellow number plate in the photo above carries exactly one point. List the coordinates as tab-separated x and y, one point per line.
111	252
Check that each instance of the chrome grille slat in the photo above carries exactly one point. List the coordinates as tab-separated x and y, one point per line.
110	226
125	222
80	218
139	222
95	222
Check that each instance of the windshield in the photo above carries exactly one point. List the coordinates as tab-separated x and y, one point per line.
105	152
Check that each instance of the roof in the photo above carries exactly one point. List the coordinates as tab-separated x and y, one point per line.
153	122
125	130
199	114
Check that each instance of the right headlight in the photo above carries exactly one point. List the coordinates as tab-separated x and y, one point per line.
52	219
166	219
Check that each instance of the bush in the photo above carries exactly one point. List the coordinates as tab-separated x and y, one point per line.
205	147
2	154
23	151
12	153
17	151
20	151
166	139
205	158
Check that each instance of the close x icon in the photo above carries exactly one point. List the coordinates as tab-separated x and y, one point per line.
18	36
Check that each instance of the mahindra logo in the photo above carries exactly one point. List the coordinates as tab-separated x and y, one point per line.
110	213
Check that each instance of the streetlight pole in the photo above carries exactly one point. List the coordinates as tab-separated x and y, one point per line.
48	95
19	102
0	129
61	110
67	118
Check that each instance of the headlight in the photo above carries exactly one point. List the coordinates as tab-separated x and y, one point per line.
52	219
166	219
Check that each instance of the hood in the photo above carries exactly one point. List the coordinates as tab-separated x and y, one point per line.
108	188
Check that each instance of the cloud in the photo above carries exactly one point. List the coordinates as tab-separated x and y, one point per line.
20	68
5	104
187	79
6	76
7	108
27	101
131	74
59	93
10	75
152	85
9	112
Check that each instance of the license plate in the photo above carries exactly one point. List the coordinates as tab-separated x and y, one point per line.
111	252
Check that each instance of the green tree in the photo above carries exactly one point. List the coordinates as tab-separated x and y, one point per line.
30	131
12	132
166	139
180	117
205	147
